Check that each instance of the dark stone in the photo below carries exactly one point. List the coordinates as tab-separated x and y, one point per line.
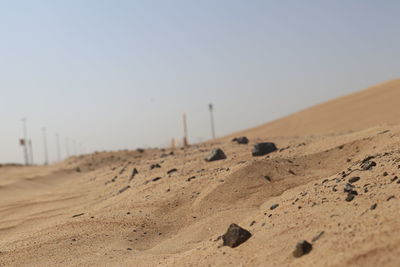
373	206
302	248
78	169
140	150
172	171
235	236
156	179
262	149
153	166
317	237
267	178
385	174
241	140
390	198
348	188
274	206
367	164
123	189
78	215
191	178
216	154
354	179
134	172
351	196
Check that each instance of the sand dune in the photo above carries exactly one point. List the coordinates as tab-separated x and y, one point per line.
102	216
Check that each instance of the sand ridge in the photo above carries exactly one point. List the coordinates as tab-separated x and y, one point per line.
61	216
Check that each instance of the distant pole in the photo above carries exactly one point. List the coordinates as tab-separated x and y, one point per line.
25	142
31	151
212	120
74	147
46	155
58	147
185	131
67	146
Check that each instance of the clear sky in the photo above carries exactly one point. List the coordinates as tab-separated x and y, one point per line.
118	74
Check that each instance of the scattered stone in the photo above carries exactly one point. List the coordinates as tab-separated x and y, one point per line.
390	198
172	171
191	178
385	174
351	195
128	249
302	248
241	140
252	223
77	215
216	154
354	179
156	179
262	149
367	164
274	206
394	179
78	169
348	188
235	236
122	170
140	150
292	172
123	189
153	166
317	237
334	188
133	174
373	206
266	177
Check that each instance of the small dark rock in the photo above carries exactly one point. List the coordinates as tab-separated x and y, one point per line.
140	150
78	169
123	189
235	236
354	179
191	178
133	174
302	248
385	174
373	206
172	171
351	196
216	154
317	237
390	198
367	164
78	215
156	179
274	206
348	188
262	149
153	166
266	177
241	140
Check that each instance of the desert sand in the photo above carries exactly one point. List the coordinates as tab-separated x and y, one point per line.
91	211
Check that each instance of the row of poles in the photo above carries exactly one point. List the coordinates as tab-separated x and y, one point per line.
26	143
28	150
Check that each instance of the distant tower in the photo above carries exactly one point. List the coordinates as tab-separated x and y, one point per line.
31	151
46	156
58	147
24	142
185	131
211	108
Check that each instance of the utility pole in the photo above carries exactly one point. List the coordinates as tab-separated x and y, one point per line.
211	108
67	146
185	131
25	141
58	147
31	151
46	155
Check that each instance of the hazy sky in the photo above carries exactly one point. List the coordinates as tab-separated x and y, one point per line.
118	74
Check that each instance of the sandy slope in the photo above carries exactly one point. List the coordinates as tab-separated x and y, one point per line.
176	222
